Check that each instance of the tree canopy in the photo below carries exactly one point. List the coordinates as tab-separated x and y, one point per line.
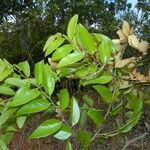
25	25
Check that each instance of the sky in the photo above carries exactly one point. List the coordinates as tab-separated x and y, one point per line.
133	2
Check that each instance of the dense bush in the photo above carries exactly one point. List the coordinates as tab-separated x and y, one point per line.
94	63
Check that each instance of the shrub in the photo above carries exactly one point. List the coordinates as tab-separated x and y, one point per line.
94	63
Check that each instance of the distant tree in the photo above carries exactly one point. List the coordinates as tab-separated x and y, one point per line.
25	25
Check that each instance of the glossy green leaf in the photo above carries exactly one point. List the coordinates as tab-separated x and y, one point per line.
66	71
34	106
3	146
6	115
86	70
2	66
72	27
105	39
5	73
64	98
103	79
84	138
64	133
48	79
22	90
96	116
62	52
24	66
70	59
69	146
15	81
104	92
4	90
54	45
104	53
77	39
46	128
24	97
20	121
31	81
50	40
38	70
87	40
75	112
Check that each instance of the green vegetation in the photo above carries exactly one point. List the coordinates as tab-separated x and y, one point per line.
94	63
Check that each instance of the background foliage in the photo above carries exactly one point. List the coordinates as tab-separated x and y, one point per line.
94	63
25	25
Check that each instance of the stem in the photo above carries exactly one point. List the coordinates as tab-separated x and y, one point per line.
96	73
47	96
128	142
40	89
107	113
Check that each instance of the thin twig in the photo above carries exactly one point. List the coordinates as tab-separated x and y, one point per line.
128	142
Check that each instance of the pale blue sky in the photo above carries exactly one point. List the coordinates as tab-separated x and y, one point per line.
133	2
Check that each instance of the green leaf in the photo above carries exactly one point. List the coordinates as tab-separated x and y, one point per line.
2	66
62	52
132	122
104	92
88	102
69	146
4	90
127	127
117	109
87	40
84	138
34	106
64	98
70	59
3	146
48	79
72	27
104	53
20	121
83	117
66	71
103	79
24	66
24	97
75	112
86	70
22	90
31	81
96	116
5	73
11	128
46	128
50	40
7	137
64	133
6	115
134	102
105	39
15	81
54	45
38	70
